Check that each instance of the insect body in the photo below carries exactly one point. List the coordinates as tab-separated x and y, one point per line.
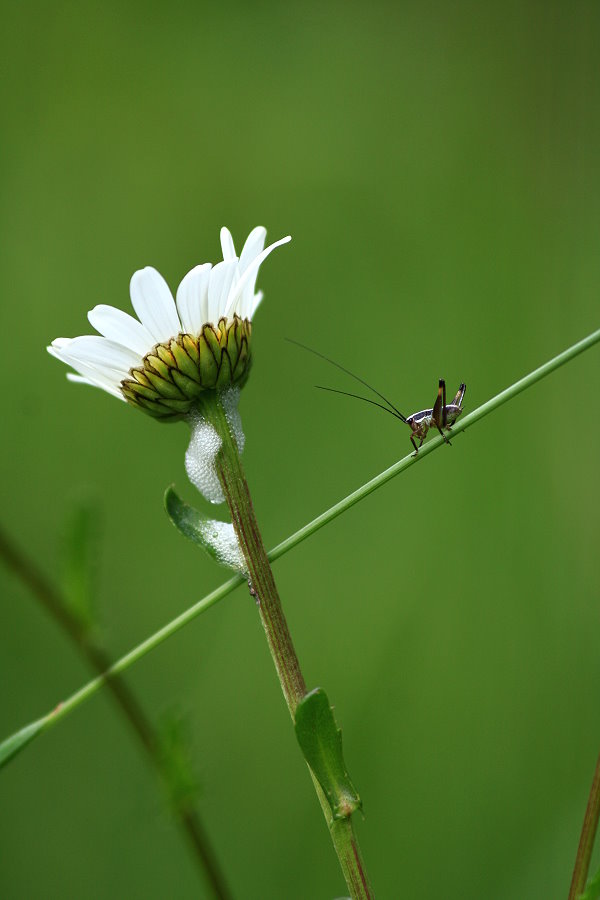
442	415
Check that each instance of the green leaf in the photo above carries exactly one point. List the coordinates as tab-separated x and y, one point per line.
176	755
321	743
592	890
16	742
186	519
80	559
200	529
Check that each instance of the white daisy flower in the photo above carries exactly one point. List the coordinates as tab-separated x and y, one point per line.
176	349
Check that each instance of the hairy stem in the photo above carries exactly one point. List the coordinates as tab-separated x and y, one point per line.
264	590
125	699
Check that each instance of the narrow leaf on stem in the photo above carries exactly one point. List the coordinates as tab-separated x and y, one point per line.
321	743
216	538
187	520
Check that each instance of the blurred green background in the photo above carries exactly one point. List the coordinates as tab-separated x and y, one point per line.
437	166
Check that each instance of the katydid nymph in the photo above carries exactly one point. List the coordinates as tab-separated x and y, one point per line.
442	415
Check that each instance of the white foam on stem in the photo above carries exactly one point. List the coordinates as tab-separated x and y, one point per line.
229	401
200	458
222	538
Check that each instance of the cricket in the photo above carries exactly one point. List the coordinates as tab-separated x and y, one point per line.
442	415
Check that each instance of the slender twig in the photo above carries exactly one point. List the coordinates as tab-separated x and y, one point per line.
127	702
88	690
264	590
586	841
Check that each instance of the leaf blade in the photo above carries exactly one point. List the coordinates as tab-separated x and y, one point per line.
216	538
321	743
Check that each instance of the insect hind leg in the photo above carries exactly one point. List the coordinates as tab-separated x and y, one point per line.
446	440
458	400
440	412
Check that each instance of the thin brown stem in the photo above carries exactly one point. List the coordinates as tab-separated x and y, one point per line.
261	580
52	601
264	590
588	835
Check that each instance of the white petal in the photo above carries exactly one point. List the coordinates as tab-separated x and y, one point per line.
79	379
154	304
247	279
98	375
122	328
245	304
227	245
60	348
192	299
100	352
253	246
255	303
221	279
99	380
90	373
55	348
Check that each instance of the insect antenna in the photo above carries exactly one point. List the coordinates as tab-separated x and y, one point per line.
392	410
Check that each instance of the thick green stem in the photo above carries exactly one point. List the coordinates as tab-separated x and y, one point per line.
264	590
125	700
588	835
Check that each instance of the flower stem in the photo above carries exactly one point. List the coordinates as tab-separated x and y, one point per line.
45	592
264	590
588	835
260	574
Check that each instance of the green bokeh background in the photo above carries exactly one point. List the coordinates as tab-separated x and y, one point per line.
437	166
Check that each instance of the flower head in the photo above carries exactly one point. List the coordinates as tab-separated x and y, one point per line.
177	348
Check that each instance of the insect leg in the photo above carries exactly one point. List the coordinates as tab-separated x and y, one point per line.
444	436
444	408
459	396
437	411
439	414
